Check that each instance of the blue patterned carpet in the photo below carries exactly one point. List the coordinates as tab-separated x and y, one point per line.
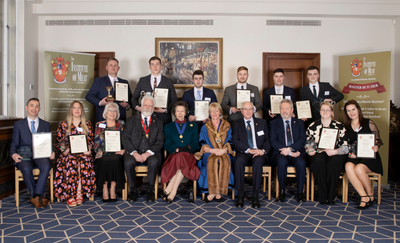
182	221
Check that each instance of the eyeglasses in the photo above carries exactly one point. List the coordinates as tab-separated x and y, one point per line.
112	111
327	110
248	109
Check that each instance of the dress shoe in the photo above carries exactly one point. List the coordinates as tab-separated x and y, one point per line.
254	202
112	200
300	197
36	202
282	196
72	202
133	196
332	202
206	200
164	194
190	196
324	202
105	200
150	196
367	203
240	201
44	201
371	202
220	200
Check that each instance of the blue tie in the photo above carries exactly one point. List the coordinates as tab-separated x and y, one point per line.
288	134
249	135
198	95
33	129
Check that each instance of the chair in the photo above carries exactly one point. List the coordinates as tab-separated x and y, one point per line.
291	172
19	177
141	170
344	189
267	172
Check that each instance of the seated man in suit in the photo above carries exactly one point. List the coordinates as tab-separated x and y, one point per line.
143	138
22	137
287	137
229	100
278	89
251	141
152	81
198	92
97	93
317	92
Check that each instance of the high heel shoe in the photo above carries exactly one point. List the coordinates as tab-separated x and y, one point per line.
367	204
79	198
206	200
169	200
164	194
371	202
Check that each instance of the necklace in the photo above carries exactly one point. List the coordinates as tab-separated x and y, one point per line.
217	134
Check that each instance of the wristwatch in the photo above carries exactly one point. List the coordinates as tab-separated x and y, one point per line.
263	150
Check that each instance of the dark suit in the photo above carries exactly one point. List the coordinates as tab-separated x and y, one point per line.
145	85
229	101
239	142
22	136
278	140
287	91
98	91
134	139
326	91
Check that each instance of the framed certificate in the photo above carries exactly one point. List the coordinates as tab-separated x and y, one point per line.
121	91
112	140
365	141
78	144
161	97
201	109
276	103
242	95
41	145
303	109
328	137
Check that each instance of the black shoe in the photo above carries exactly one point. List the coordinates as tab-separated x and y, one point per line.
112	200
332	202
240	201
133	196
206	199
150	196
371	202
324	202
282	196
367	204
300	197
220	200
164	194
169	200
105	200
254	202
190	196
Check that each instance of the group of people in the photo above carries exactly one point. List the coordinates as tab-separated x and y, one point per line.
213	151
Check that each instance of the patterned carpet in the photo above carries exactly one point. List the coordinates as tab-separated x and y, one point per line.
182	221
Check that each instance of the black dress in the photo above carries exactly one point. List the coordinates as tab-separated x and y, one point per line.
375	165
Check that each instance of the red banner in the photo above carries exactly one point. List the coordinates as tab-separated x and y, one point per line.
364	87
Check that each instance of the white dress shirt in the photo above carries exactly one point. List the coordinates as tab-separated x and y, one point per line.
316	87
36	123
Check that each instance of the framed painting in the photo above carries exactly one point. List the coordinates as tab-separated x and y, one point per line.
180	57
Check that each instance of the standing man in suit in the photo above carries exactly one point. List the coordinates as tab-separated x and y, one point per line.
287	137
152	81
317	92
97	94
278	89
22	137
251	141
229	101
143	139
198	92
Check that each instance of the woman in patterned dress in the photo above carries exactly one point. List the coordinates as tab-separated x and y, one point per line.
74	175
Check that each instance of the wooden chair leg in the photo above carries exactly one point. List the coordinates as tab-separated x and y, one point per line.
195	190
269	183
16	189
379	189
276	184
307	183
156	188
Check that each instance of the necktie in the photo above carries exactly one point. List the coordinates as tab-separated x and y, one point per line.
249	135
155	82
145	122
242	86
315	91
115	80
288	134
33	129
198	95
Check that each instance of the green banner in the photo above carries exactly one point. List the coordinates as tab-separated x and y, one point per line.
67	77
365	77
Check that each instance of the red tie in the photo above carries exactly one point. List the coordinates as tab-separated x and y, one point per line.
155	82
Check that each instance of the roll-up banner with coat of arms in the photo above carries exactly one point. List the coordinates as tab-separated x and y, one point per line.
67	77
365	77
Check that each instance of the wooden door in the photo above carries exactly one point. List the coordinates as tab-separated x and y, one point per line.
100	62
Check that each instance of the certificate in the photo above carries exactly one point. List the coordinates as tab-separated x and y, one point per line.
276	103
242	95
365	141
121	91
161	97
327	139
41	145
201	109
112	140
303	109
78	144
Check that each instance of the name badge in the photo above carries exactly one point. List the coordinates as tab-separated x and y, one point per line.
260	133
252	95
80	129
101	125
288	97
207	98
326	92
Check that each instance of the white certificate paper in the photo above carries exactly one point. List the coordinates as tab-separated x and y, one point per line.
42	145
242	95
161	97
121	91
78	144
364	145
276	103
201	109
303	109
327	139
112	141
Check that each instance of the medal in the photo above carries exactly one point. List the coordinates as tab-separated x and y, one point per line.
180	136
147	135
218	139
146	130
180	131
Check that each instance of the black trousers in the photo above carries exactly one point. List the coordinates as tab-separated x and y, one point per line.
282	162
152	162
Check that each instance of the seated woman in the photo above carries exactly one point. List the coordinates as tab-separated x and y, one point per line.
357	168
109	165
181	141
327	165
74	175
215	155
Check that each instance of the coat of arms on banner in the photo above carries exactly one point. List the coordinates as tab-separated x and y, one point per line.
356	67
60	69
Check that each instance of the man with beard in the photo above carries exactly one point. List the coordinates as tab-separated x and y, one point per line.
143	138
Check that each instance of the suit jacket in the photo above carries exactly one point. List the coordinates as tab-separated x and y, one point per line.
287	91
229	101
22	135
277	135
239	135
188	97
98	91
134	135
144	85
